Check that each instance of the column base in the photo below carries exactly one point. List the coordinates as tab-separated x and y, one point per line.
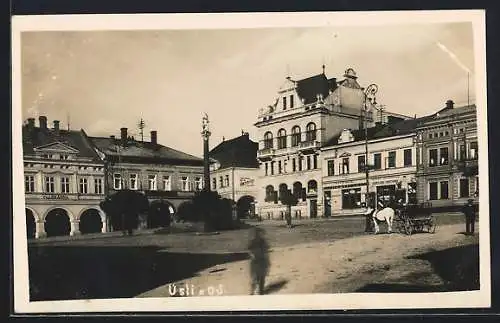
40	235
75	233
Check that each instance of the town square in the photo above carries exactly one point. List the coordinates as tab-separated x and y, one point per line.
257	161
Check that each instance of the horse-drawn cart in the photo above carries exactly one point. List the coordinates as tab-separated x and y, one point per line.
413	218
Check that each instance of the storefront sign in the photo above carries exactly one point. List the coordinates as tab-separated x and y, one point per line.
55	197
246	181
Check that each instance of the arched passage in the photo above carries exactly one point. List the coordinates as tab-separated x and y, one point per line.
160	214
30	224
90	221
186	212
245	207
57	223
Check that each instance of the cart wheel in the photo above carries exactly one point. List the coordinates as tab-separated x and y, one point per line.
431	227
407	227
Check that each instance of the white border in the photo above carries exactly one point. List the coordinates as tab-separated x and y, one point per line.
474	299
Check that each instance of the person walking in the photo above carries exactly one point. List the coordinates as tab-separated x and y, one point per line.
470	217
259	261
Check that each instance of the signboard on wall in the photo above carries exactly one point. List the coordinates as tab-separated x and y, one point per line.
247	181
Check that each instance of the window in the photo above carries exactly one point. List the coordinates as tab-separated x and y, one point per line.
221	181
444	190
300	164
430	136
473	150
330	168
291	101
284	103
461	130
272	168
407	157
226	182
377	161
63	157
295	136
361	163
351	198
268	140
29	183
83	187
433	191
198	183
315	161
464	187
49	184
446	133
281	139
271	195
294	165
167	183
214	181
98	186
308	162
279	167
461	155
152	183
185	183
117	181
433	156
311	132
133	181
64	184
267	168
312	187
391	160
345	165
443	152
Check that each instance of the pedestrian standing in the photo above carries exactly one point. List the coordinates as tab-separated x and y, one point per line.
259	261
470	217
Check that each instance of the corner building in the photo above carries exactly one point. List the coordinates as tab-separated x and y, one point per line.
291	131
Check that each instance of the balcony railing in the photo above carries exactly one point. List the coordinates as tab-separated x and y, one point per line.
265	153
310	145
63	196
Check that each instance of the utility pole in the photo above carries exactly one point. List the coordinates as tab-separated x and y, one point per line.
141	126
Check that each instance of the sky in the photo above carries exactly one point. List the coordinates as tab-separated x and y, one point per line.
104	80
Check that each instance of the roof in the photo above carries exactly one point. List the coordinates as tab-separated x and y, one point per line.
381	131
138	151
36	137
308	88
236	152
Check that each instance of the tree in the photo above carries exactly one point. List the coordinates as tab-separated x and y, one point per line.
124	207
214	211
288	199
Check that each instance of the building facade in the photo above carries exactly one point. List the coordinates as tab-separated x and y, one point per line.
64	181
391	164
234	171
447	151
166	176
304	116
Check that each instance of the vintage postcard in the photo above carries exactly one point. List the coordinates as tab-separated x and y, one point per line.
250	161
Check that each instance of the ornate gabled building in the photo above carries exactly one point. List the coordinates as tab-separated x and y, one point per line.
166	176
447	150
304	116
64	181
234	172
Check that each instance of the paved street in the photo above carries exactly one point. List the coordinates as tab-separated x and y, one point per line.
333	255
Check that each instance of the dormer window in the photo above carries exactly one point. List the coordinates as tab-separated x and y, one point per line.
291	101
284	103
346	136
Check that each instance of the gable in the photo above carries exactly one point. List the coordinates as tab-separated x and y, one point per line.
58	147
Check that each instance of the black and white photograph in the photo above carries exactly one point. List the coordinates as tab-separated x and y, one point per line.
251	161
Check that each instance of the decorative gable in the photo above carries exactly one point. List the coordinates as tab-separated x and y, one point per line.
346	136
56	147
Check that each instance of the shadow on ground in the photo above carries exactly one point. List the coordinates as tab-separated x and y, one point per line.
59	273
276	286
458	267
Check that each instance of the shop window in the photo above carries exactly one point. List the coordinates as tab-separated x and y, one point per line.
433	191
351	198
444	190
464	187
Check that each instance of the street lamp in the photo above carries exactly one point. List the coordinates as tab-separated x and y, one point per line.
370	92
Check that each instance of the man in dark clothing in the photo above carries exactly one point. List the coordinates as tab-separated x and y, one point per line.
259	262
470	217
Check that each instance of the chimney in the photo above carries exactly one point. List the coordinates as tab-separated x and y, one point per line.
449	104
123	135
154	138
43	122
56	126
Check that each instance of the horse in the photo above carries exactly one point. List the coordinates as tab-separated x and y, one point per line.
386	214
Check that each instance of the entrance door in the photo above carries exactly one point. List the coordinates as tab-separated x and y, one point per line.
313	209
